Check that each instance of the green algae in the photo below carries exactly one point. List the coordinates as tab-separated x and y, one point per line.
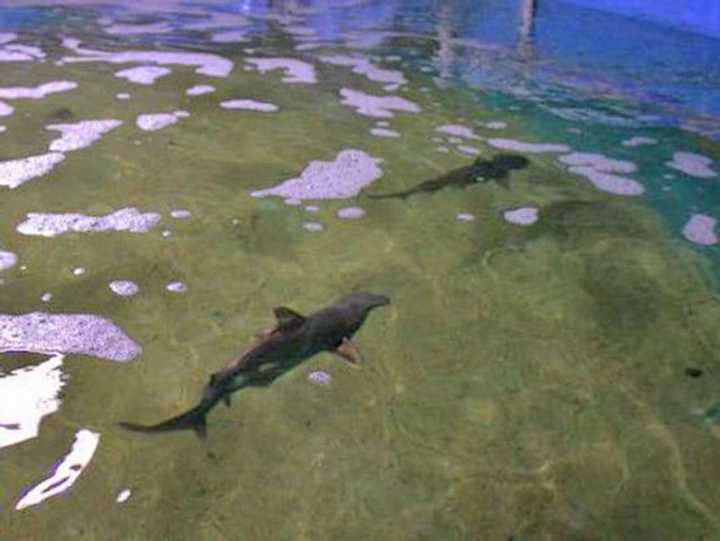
526	381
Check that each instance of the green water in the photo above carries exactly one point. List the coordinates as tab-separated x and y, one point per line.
526	381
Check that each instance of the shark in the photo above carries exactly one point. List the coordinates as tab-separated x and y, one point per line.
481	170
276	351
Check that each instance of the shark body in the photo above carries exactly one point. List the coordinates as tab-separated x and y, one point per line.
275	352
481	170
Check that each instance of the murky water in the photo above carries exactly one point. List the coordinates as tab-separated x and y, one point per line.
539	205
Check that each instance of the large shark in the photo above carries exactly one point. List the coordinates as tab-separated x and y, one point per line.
277	350
481	170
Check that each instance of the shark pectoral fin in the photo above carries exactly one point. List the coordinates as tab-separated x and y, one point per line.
287	319
349	351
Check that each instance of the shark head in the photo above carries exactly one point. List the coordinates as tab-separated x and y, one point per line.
364	301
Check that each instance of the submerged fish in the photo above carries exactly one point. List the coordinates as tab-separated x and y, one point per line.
276	351
481	170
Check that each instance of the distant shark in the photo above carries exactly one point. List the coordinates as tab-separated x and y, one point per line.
481	170
275	352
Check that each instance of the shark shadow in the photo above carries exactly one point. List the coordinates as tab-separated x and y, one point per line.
480	171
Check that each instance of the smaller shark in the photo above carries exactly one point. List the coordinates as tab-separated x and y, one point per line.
275	352
481	170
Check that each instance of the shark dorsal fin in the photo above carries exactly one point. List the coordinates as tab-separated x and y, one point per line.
287	319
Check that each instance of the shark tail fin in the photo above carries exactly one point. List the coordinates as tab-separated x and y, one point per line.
193	419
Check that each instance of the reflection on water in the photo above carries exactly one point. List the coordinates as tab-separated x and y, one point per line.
173	171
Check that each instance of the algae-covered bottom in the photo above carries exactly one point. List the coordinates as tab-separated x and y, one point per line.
547	368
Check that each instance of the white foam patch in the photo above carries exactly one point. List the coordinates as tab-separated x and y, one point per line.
80	134
639	141
124	288
176	287
470	151
700	229
87	334
296	71
598	162
21	53
6	37
5	109
3	129
138	29
344	177
180	214
384	132
351	213
522	216
377	106
495	125
199	90
143	75
13	173
204	63
7	260
230	36
37	92
313	227
363	66
158	121
458	130
250	105
123	495
531	148
128	219
26	396
466	217
122	96
608	182
695	165
64	475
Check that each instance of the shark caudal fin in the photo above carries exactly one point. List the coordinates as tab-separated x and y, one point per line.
193	419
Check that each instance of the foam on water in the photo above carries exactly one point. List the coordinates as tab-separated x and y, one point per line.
363	66
230	36
519	146
7	37
495	125
52	224
36	92
608	182
598	162
123	495
695	165
251	105
470	151
66	472
26	396
143	75
79	271
344	177
700	229
122	96
313	227
351	213
5	109
158	121
176	287
80	134
124	288
7	260
521	216
199	90
639	141
296	71
180	214
3	129
320	377
87	334
13	173
376	106
458	130
384	132
466	217
204	63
